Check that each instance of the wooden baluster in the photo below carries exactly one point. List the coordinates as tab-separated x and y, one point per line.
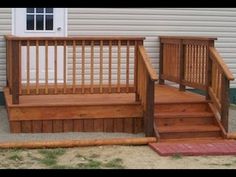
161	81
110	64
64	65
101	66
181	65
28	67
190	63
46	67
187	65
118	67
83	68
92	65
20	75
127	67
200	64
15	72
224	102
137	43
37	67
55	67
74	66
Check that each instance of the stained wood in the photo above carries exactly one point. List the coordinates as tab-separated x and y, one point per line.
88	126
78	143
37	67
15	72
118	66
47	126
46	67
110	65
118	125
26	126
78	125
101	66
55	67
58	126
83	66
128	125
92	65
127	66
108	125
15	126
68	126
98	125
64	65
37	126
74	66
215	55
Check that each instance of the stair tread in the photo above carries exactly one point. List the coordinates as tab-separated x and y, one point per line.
183	114
188	128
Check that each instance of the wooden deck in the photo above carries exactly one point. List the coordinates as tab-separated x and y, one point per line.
116	112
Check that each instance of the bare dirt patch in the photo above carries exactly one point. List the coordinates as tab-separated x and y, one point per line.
108	157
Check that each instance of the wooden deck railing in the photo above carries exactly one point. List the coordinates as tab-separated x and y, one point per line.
80	65
145	89
194	62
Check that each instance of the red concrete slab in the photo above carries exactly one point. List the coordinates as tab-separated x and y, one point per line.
195	149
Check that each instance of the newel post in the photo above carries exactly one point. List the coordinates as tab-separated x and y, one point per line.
181	66
137	44
15	71
149	112
224	102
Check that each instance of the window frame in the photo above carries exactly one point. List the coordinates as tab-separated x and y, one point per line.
44	20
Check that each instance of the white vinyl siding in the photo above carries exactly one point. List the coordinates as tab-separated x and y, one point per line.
5	28
153	22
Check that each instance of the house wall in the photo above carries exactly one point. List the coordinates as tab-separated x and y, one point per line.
148	22
151	23
5	28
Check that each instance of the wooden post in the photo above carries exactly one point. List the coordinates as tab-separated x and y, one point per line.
224	102
136	69
161	81
181	66
15	72
208	70
149	113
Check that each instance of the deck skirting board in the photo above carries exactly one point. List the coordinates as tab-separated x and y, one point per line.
122	125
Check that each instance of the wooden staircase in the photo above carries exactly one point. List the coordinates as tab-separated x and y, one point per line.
186	121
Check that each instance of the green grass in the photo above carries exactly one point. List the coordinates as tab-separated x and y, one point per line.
16	157
114	163
177	156
90	164
15	154
50	156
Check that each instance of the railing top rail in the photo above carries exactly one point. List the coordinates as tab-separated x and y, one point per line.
71	38
214	54
189	37
148	64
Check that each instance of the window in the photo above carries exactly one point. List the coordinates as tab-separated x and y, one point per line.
39	19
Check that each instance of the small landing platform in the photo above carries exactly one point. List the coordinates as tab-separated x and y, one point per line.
220	147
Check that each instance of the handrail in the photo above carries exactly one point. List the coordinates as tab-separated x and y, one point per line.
148	64
12	37
216	56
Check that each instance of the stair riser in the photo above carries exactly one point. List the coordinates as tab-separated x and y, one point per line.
182	107
182	135
184	121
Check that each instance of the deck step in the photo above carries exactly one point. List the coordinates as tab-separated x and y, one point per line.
192	140
184	119
182	107
192	128
183	115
